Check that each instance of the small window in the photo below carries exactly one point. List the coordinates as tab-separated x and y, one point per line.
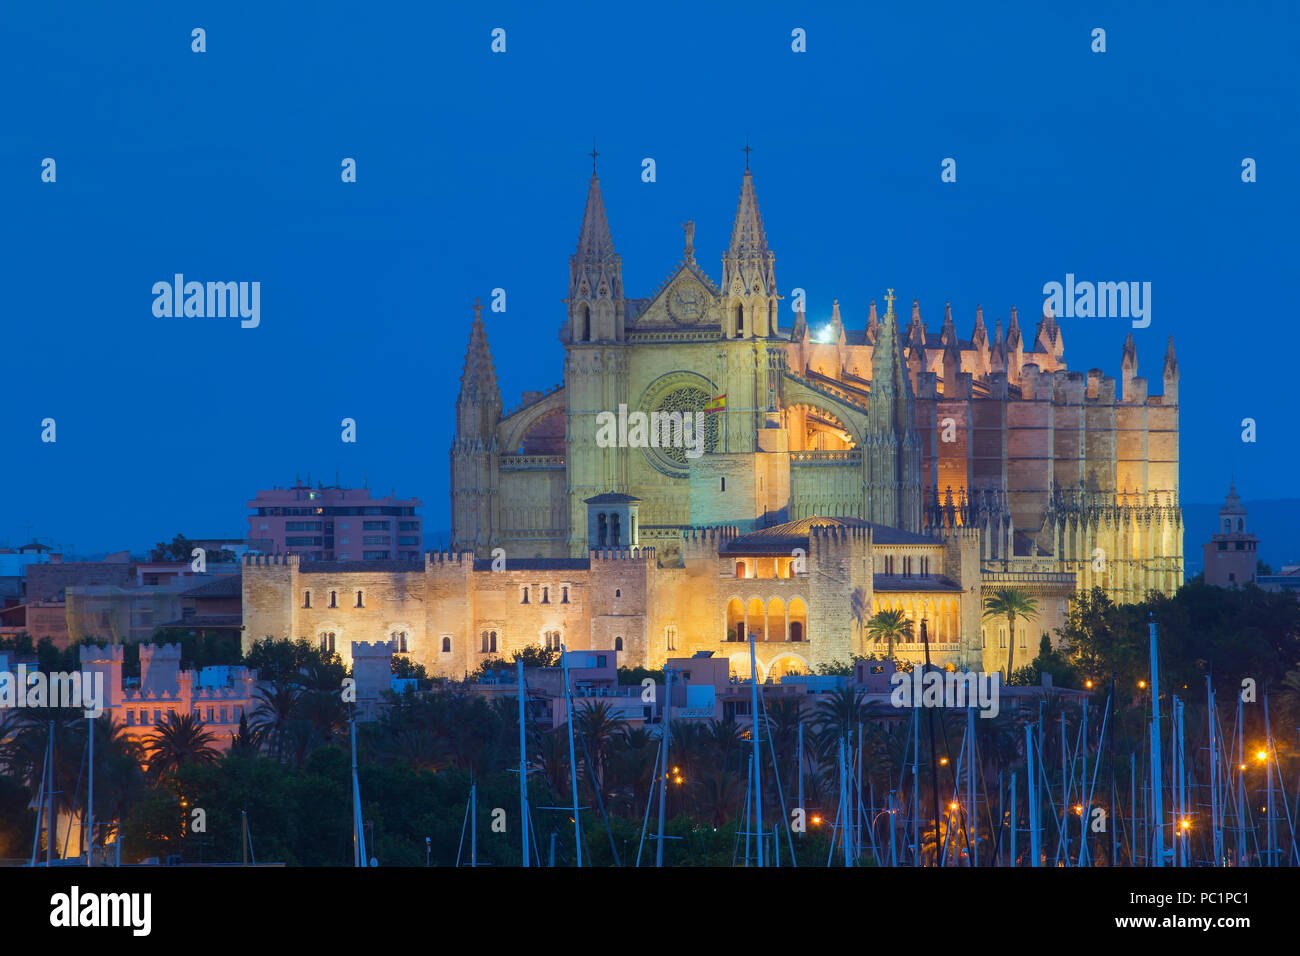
524	592
670	637
618	644
306	599
984	637
446	644
360	602
722	484
334	599
564	595
546	595
618	592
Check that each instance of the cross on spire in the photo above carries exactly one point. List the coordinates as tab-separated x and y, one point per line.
478	309
889	298
748	150
593	155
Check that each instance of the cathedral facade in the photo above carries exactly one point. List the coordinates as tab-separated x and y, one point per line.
839	472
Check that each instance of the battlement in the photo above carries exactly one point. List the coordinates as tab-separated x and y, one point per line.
458	558
623	554
160	651
711	535
835	534
89	653
367	649
271	560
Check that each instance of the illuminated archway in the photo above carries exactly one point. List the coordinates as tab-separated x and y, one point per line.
776	620
755	620
735	627
797	620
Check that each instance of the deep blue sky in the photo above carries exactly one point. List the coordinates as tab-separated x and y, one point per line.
472	175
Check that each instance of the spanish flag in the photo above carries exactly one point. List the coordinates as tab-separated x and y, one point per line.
718	403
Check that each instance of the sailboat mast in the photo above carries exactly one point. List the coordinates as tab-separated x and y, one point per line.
663	769
523	762
1157	803
573	766
758	771
90	797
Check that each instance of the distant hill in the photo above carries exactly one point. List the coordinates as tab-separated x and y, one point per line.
1276	522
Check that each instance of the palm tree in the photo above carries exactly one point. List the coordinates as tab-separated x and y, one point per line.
889	626
599	725
276	706
178	740
837	715
1010	603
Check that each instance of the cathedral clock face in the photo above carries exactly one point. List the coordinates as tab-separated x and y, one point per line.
686	303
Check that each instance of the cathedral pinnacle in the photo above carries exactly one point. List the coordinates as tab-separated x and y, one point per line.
1171	361
478	380
595	244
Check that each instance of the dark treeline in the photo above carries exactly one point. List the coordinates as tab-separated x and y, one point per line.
288	769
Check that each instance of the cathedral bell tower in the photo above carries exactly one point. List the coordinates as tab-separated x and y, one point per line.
595	364
751	355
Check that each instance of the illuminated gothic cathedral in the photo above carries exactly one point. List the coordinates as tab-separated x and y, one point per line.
878	466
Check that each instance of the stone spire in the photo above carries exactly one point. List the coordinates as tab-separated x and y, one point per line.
1128	368
997	350
749	271
1014	348
916	358
748	258
837	324
478	378
948	335
595	244
951	353
892	456
1171	374
595	299
1048	337
891	388
980	340
475	451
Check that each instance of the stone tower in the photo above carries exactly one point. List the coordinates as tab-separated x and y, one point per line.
475	452
1232	551
751	356
595	365
892	457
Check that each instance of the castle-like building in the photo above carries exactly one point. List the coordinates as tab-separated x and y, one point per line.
836	472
